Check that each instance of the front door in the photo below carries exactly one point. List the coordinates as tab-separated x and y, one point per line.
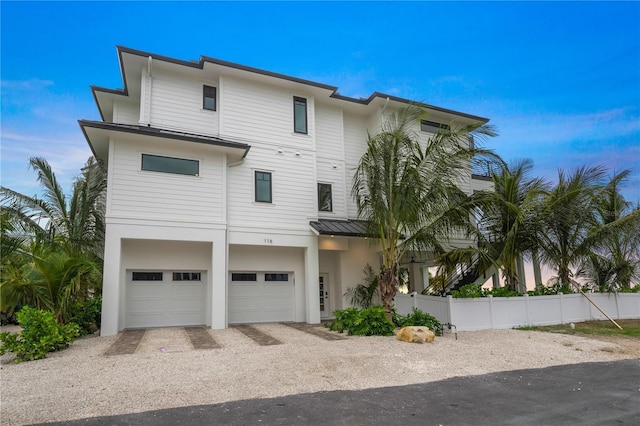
324	296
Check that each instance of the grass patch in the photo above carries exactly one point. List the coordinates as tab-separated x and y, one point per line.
631	328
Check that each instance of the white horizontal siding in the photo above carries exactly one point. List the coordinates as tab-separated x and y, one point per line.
355	145
355	138
293	190
126	113
254	111
329	133
165	196
176	103
327	174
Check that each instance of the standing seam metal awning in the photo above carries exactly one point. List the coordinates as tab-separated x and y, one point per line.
344	228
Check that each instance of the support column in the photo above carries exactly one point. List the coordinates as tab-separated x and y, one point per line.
111	284
312	286
219	284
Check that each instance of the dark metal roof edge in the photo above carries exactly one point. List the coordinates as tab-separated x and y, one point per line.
374	95
339	233
334	89
169	134
86	136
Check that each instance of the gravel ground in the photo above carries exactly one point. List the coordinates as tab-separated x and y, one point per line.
166	372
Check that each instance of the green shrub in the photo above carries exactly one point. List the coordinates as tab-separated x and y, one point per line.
362	295
502	292
371	321
551	290
635	289
86	314
344	318
41	334
418	318
467	292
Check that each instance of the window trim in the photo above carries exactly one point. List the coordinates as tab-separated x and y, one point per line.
330	197
434	125
255	186
297	99
142	155
143	276
204	97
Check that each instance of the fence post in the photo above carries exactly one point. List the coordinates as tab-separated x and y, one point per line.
617	306
491	310
526	306
561	308
449	303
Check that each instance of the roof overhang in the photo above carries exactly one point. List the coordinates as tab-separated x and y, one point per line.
98	134
342	228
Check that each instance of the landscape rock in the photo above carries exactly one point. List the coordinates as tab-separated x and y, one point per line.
416	334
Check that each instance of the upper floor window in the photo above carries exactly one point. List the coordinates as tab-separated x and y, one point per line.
263	187
209	98
180	166
325	202
432	126
299	115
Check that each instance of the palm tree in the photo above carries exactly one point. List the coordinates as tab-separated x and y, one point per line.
567	214
76	226
55	257
506	221
408	194
51	280
615	260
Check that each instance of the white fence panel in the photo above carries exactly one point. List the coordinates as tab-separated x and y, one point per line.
545	310
404	304
508	312
471	314
628	305
489	312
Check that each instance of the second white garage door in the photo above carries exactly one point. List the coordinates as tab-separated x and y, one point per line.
261	297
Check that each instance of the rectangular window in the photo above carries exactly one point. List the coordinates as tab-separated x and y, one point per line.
432	126
209	98
146	276
299	115
180	166
186	276
276	277
244	277
325	203
263	187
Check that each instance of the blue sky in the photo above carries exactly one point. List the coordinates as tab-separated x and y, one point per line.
561	81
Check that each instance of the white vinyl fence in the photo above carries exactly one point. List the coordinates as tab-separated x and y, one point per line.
508	312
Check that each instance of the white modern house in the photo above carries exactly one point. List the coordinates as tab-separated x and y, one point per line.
228	194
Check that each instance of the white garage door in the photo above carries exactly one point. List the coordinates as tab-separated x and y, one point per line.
260	297
165	298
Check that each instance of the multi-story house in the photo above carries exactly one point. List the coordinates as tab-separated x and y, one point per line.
229	195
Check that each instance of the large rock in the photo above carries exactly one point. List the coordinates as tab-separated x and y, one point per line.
415	334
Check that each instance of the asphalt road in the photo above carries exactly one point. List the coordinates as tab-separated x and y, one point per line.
581	394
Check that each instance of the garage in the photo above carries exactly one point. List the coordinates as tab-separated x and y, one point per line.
165	298
261	297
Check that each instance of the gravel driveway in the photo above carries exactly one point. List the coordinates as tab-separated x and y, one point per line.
166	371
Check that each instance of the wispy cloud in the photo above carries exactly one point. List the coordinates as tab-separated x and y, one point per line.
31	84
39	122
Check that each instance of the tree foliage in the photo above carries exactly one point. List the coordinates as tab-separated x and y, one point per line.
54	250
408	192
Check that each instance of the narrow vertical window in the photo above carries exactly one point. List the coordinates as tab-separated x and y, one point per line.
325	202
209	98
299	115
263	187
